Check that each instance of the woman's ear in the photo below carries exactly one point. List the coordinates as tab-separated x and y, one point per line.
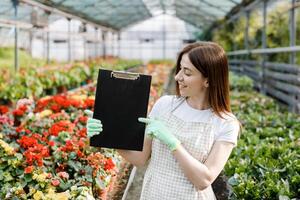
206	84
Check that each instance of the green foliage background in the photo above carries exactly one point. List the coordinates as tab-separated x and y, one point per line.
231	35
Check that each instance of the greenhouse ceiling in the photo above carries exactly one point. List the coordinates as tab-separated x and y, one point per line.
119	14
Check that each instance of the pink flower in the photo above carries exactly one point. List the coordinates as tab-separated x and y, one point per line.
4	119
63	175
55	182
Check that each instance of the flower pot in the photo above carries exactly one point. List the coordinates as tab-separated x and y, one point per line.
112	184
17	122
49	91
6	102
62	89
103	194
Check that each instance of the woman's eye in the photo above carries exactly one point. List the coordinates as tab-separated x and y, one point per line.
187	73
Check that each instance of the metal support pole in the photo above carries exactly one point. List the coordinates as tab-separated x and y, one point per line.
264	45
119	44
48	39
99	43
84	48
104	43
69	39
292	26
48	47
15	4
95	42
246	39
113	44
30	40
164	36
84	40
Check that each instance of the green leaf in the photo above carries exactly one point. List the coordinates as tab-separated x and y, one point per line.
233	181
28	178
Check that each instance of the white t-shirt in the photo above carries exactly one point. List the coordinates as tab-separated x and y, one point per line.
224	129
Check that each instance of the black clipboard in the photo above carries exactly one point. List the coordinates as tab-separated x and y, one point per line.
121	98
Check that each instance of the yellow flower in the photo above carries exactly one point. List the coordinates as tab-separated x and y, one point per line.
8	149
63	196
38	195
40	177
32	190
79	97
1	135
58	196
45	113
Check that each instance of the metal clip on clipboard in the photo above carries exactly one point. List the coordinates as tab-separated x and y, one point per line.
125	75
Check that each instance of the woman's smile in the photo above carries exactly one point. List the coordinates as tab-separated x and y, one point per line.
181	86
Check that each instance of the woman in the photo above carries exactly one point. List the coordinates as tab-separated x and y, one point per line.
192	134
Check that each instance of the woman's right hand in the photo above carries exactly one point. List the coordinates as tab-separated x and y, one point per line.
93	126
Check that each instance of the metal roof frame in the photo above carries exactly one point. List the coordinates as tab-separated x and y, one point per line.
114	15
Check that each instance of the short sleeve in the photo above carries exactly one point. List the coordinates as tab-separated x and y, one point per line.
229	131
160	105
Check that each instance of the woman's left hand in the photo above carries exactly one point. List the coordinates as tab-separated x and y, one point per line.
156	128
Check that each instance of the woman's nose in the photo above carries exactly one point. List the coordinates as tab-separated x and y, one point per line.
178	77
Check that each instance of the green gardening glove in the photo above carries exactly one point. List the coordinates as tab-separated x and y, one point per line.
93	126
156	128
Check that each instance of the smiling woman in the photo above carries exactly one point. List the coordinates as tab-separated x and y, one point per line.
190	135
204	65
190	81
193	132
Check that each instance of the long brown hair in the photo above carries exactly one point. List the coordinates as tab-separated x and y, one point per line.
211	60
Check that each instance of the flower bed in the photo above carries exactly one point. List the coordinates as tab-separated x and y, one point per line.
45	153
265	164
37	82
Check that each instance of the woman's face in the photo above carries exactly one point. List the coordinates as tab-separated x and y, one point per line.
190	80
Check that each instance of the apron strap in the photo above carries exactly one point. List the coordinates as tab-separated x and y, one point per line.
181	100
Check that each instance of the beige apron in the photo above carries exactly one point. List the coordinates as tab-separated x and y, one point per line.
164	179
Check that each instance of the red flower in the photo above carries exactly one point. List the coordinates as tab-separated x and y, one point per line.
89	103
59	99
51	143
19	129
18	113
23	108
42	104
36	154
61	167
28	169
27	142
66	103
80	154
3	110
109	164
55	182
61	126
68	147
55	108
82	132
81	143
83	119
75	103
27	131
